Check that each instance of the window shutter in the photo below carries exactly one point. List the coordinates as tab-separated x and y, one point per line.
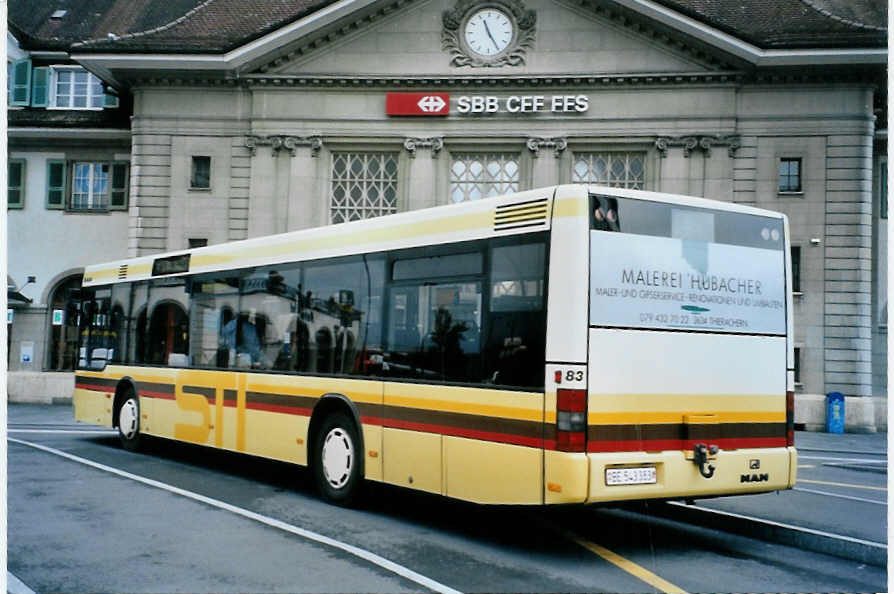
40	87
15	196
21	83
110	100
55	184
119	186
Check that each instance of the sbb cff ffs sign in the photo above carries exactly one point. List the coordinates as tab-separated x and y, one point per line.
417	104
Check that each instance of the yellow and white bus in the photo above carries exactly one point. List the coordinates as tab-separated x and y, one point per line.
571	344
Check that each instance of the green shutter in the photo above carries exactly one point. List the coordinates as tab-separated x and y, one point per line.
40	87
55	184
21	83
15	196
110	100
119	186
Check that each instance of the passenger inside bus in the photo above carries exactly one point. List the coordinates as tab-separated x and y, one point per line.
241	337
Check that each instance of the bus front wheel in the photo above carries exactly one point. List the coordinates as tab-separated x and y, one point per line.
336	463
129	422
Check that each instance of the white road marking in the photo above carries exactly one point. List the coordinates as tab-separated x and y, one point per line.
64	431
15	586
869	543
828	494
852	460
391	566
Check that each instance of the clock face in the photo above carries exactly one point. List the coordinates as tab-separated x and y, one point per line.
488	32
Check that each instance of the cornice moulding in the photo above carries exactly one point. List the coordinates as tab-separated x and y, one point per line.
262	53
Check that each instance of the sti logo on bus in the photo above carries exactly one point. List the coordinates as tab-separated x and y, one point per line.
417	104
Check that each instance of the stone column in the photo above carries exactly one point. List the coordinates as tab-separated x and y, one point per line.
545	162
422	187
150	183
262	187
305	209
848	267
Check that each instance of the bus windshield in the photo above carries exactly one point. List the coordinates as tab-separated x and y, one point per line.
664	266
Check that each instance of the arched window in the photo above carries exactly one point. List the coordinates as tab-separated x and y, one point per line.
63	337
168	332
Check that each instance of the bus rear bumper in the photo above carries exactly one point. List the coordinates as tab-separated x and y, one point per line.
676	475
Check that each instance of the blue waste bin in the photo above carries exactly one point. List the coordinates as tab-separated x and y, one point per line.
834	412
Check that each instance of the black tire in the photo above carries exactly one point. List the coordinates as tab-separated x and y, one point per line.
337	457
129	421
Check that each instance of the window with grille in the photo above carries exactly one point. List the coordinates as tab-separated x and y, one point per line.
364	185
617	169
480	175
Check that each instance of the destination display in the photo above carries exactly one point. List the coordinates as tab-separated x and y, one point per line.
639	281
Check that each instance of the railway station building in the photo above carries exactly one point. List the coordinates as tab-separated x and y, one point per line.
145	127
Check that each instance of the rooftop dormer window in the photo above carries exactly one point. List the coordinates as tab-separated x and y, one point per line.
56	87
74	88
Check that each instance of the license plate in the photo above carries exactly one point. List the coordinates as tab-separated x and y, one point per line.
643	475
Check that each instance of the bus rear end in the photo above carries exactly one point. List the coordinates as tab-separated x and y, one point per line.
687	389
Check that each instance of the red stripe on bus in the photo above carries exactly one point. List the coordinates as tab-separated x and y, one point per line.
660	445
159	395
95	388
278	408
470	433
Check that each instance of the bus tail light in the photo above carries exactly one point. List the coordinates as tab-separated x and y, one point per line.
790	418
571	420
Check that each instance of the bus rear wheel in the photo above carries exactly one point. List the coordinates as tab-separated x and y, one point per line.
336	461
129	422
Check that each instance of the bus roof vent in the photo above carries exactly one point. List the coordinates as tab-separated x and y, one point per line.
122	272
522	214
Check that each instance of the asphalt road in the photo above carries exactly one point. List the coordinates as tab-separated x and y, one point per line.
222	522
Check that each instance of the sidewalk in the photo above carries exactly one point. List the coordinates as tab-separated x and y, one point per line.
876	443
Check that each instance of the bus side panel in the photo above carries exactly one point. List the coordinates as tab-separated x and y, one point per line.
565	474
486	472
157	387
278	409
412	459
470	443
93	399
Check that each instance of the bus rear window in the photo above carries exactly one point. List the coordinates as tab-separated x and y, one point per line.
671	267
658	219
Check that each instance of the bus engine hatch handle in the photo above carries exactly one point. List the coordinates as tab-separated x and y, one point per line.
700	452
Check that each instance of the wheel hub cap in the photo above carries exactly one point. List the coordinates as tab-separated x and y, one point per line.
338	457
127	419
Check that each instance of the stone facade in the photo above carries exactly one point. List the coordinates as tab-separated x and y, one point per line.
703	123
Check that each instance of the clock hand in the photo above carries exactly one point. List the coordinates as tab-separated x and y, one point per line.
489	34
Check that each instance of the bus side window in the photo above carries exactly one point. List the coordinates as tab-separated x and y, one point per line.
516	337
168	322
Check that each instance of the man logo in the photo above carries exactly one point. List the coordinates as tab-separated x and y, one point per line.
754	464
431	104
755	478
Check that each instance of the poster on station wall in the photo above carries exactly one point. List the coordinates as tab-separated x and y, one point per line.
641	281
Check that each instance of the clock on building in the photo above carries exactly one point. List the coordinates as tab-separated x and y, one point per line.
488	32
493	33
